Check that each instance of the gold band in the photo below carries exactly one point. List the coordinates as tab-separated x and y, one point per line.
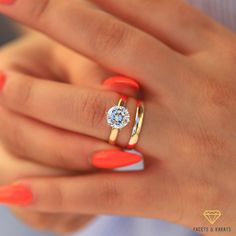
115	132
137	126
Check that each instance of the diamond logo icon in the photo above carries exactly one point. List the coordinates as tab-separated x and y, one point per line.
212	216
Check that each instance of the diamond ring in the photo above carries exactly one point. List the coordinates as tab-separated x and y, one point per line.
117	117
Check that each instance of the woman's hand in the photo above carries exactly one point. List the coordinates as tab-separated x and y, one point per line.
39	141
13	168
185	64
27	55
25	138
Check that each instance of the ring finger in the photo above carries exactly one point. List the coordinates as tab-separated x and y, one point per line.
79	110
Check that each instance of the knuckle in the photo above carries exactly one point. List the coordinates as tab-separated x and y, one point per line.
92	109
58	196
67	157
21	94
110	37
99	107
217	99
220	94
206	141
17	140
61	158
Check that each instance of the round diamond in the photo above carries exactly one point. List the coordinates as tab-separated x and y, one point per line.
118	117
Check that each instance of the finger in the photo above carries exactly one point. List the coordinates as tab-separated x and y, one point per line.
77	69
102	196
174	22
47	145
83	72
114	44
103	193
13	168
44	144
83	111
27	54
65	106
80	110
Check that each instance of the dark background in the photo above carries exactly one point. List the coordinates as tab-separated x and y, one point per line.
7	31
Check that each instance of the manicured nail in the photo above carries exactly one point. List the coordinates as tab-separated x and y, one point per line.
16	194
121	80
7	2
113	159
2	80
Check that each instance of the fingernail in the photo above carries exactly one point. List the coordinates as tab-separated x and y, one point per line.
7	2
2	80
113	159
16	194
121	80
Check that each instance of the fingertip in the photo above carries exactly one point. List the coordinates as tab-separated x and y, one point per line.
16	194
111	159
121	80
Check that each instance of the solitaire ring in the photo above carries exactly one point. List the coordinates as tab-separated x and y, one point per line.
117	117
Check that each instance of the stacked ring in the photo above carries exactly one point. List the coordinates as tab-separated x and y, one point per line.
118	117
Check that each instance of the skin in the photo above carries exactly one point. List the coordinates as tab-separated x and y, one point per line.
189	92
14	165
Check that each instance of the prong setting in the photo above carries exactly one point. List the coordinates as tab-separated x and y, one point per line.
118	117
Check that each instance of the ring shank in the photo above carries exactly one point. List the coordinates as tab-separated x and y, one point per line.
137	126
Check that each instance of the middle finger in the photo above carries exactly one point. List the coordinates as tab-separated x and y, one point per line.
103	38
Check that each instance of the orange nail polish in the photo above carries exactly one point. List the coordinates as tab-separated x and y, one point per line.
121	80
16	194
114	158
2	80
6	1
